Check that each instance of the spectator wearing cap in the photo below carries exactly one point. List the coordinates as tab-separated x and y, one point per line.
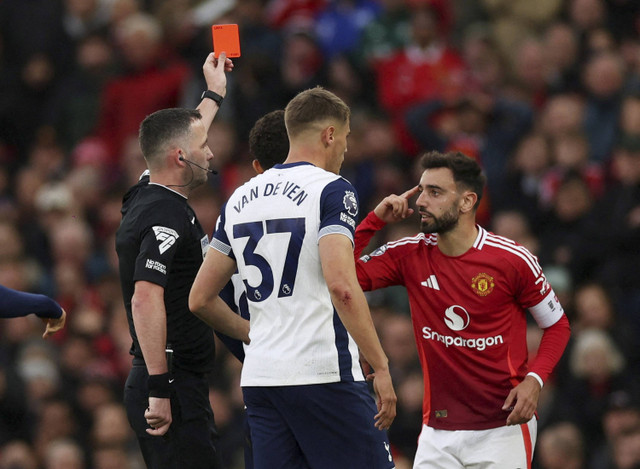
622	416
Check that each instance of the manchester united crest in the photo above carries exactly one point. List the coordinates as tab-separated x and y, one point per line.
482	284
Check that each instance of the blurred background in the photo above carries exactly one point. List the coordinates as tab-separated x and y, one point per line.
545	94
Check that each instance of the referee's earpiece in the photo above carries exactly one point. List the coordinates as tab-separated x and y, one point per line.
193	163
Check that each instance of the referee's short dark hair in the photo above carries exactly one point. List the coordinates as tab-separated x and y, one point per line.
268	140
163	128
466	171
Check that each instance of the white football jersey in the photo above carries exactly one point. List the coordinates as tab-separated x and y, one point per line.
271	226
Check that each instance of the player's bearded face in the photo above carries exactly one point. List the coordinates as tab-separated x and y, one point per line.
429	223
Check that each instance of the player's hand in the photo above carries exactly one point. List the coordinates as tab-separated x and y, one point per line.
366	368
394	208
53	325
214	72
386	401
158	416
523	399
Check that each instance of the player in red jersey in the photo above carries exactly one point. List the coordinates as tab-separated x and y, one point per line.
469	291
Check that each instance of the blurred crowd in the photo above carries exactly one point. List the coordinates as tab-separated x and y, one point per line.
545	94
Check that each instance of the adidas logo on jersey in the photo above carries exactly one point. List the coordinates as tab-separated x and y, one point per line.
431	282
166	236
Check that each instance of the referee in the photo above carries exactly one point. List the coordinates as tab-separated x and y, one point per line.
160	246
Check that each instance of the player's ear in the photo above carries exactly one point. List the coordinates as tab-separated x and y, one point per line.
469	200
327	135
257	167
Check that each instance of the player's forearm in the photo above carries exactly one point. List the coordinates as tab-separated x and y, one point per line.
220	317
204	302
208	108
15	303
354	313
554	341
216	80
150	322
347	297
365	231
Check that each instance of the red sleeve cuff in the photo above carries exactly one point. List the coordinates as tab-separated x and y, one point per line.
365	231
372	221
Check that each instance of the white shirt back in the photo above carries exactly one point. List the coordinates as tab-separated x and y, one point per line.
271	226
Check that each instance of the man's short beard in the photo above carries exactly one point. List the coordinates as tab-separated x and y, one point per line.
193	182
444	224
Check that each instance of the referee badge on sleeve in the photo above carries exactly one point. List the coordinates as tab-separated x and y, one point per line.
166	236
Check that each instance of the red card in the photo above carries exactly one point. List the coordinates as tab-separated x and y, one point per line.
226	39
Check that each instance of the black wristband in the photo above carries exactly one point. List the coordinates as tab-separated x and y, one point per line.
212	95
159	386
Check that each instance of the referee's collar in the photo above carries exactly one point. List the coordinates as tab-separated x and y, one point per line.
169	189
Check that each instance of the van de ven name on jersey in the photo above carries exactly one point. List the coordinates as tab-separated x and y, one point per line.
286	189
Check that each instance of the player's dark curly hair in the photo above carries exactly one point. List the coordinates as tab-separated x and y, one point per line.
268	140
466	171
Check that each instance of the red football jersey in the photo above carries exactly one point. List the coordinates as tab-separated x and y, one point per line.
469	318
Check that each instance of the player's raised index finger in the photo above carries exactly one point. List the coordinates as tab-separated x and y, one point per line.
410	193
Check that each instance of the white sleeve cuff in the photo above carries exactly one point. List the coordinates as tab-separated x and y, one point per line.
538	378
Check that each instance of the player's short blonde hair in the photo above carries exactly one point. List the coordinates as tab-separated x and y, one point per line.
314	106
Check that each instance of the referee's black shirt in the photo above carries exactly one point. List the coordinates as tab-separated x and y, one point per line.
161	241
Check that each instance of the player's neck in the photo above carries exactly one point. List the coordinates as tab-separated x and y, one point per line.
306	157
459	240
309	150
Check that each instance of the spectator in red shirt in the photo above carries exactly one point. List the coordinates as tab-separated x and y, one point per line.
425	69
153	81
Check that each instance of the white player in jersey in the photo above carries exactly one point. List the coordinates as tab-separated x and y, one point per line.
289	232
